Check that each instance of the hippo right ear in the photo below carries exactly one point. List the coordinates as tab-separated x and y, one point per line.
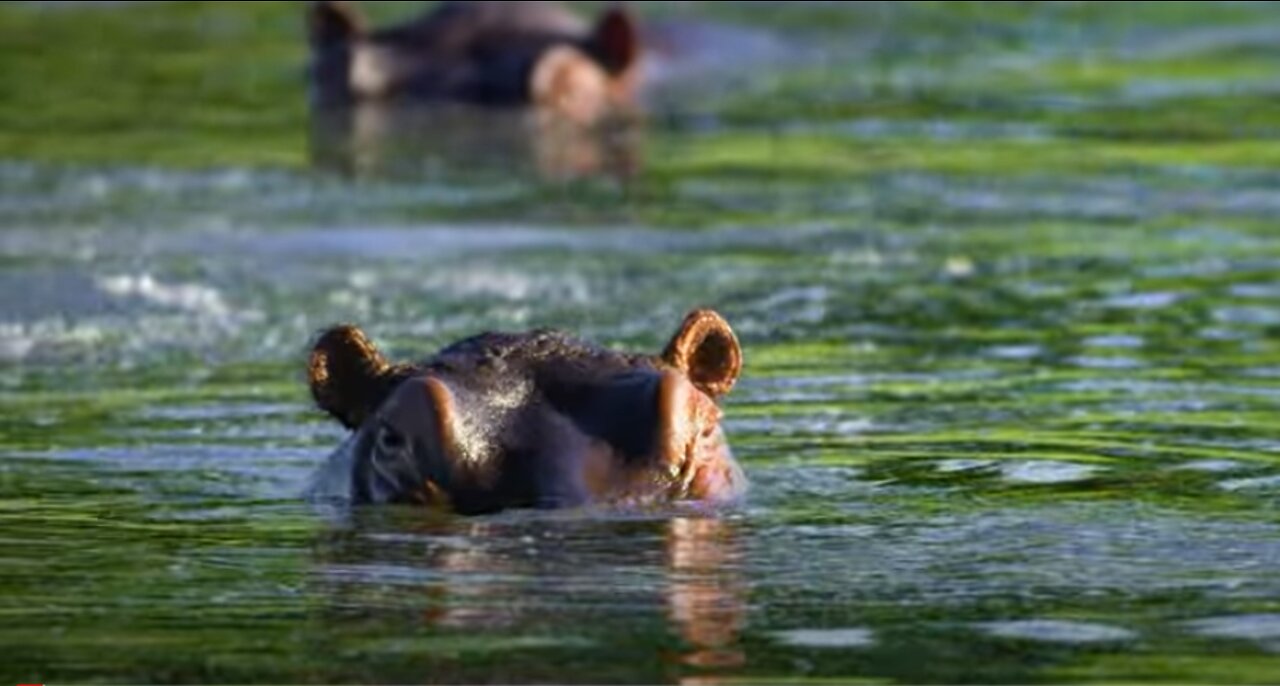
705	349
333	21
349	378
615	40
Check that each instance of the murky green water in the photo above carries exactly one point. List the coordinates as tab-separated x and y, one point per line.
1007	279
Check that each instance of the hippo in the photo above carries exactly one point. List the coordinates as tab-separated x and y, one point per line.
529	420
482	53
514	88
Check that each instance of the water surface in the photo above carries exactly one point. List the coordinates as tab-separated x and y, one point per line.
1006	278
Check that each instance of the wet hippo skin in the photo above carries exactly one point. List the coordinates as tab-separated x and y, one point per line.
537	419
485	53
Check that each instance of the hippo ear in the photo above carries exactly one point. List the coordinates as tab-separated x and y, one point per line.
333	21
615	40
349	378
705	349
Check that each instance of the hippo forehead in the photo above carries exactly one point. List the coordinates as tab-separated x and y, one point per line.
495	376
544	356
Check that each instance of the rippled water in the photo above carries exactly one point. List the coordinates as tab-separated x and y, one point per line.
1006	280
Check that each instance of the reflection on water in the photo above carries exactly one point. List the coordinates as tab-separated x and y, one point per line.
706	595
512	577
388	140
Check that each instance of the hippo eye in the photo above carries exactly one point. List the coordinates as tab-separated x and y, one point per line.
390	440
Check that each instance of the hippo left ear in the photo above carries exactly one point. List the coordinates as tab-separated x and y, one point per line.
332	22
349	378
615	40
705	349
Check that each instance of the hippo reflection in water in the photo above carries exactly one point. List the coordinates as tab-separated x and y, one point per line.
536	419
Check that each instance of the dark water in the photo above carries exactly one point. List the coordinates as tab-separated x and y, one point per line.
1007	280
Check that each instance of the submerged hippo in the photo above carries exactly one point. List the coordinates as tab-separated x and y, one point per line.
485	53
536	419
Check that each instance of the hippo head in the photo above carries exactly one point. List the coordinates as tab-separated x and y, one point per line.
535	419
488	53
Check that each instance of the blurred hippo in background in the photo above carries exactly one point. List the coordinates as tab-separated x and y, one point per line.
501	81
483	53
537	419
